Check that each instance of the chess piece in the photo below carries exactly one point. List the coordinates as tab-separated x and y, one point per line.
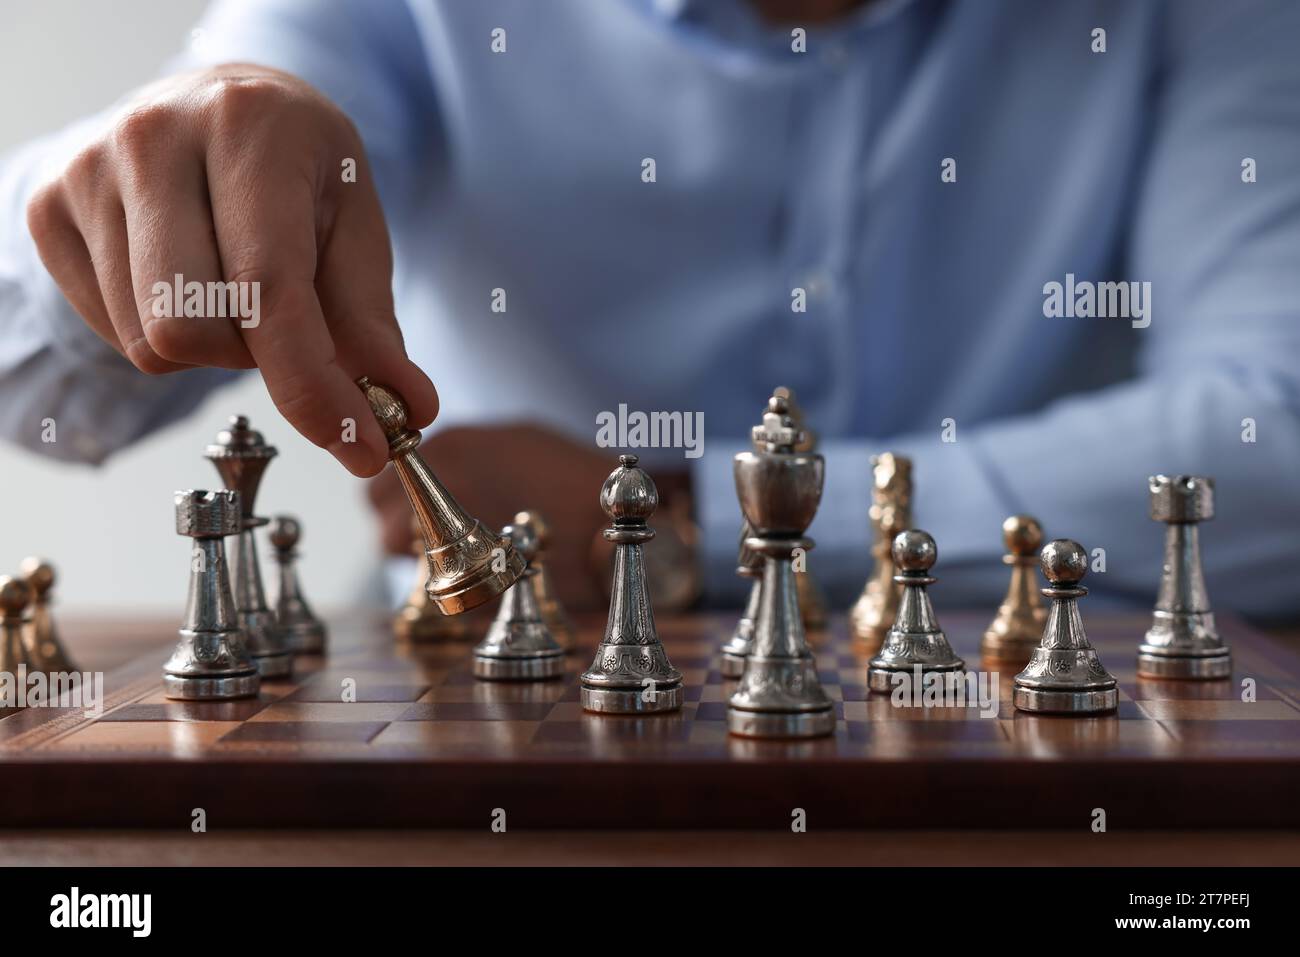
468	565
211	661
518	646
552	611
812	600
304	631
241	457
873	613
779	694
419	621
631	673
15	596
1065	676
1017	628
1183	641
749	565
915	644
44	650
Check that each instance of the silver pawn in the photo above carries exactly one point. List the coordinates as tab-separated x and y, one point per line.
211	662
1065	675
749	564
631	673
519	646
304	631
241	457
1182	641
779	694
915	643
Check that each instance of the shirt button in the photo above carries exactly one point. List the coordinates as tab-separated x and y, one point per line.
87	446
817	284
836	55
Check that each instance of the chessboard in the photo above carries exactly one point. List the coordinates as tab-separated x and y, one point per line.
425	744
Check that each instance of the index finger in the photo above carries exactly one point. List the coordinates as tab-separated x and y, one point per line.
266	237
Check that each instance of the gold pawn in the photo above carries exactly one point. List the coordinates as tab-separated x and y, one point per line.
15	596
1017	628
44	650
419	620
553	613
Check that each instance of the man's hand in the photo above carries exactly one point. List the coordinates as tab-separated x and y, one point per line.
498	471
234	174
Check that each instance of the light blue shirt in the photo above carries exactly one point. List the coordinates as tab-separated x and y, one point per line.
829	171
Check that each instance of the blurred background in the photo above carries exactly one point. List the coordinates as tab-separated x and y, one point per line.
110	531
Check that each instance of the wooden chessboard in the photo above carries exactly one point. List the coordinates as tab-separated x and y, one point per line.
427	745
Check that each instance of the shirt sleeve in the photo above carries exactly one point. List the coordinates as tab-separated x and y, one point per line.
1218	385
67	394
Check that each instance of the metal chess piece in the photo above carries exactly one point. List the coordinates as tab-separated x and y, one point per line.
552	611
749	564
1065	676
1018	626
812	600
15	596
304	631
419	620
631	673
44	649
1183	641
518	645
211	662
915	641
241	457
779	695
873	613
468	564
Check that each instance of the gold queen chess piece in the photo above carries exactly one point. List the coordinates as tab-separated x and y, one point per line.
631	673
210	662
518	646
241	456
1183	641
468	565
1065	675
44	648
304	631
1017	627
916	645
779	694
873	613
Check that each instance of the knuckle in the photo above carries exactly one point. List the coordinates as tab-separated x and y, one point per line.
237	101
47	220
171	339
138	134
143	357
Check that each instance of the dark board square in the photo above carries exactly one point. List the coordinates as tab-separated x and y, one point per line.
238	710
478	711
365	691
304	732
711	711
